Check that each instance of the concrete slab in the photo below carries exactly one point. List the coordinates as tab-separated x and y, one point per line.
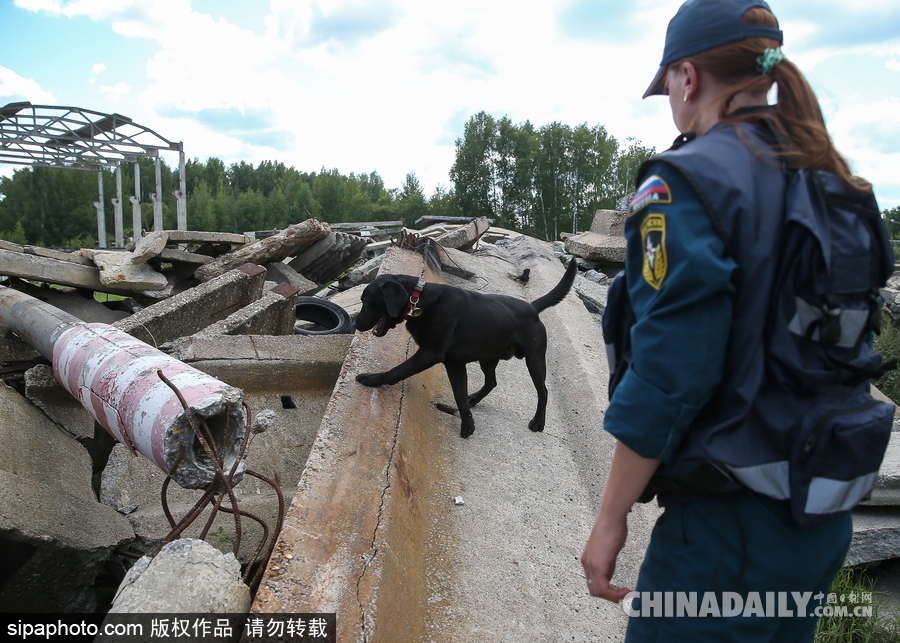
54	535
374	532
193	310
117	270
65	272
282	273
273	314
597	247
876	535
465	237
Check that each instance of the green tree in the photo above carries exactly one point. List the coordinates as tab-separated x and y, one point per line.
16	235
411	202
892	221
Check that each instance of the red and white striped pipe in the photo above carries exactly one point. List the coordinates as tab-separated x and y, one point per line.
116	379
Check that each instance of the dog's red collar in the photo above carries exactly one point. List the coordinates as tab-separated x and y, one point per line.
412	308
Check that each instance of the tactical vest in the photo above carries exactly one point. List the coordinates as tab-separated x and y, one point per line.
745	436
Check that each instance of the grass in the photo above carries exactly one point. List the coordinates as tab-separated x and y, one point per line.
888	344
883	624
854	590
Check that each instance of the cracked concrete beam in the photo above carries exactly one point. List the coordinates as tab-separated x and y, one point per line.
357	537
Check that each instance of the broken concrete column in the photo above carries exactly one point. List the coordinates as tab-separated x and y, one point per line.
193	310
186	577
55	535
144	398
286	243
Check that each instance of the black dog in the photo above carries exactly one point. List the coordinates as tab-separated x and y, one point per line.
454	326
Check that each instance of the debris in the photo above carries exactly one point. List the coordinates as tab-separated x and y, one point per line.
458	501
605	242
55	536
116	377
286	243
186	577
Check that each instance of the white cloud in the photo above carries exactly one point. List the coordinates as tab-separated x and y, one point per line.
115	92
14	88
387	85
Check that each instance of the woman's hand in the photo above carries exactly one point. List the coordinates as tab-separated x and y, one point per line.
628	476
599	558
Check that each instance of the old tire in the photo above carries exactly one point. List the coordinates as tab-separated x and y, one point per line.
331	317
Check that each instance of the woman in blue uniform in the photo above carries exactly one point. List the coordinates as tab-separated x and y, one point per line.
697	283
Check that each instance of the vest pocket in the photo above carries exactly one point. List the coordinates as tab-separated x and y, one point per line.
837	453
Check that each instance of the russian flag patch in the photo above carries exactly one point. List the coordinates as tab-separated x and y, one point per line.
653	190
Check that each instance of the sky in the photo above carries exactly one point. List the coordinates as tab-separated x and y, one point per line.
388	85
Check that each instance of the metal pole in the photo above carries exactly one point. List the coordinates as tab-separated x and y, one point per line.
116	378
101	212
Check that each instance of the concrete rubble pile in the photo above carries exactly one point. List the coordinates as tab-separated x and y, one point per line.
76	508
223	303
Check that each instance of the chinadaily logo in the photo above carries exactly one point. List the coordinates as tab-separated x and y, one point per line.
750	605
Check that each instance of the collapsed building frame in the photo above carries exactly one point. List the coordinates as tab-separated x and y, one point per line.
84	139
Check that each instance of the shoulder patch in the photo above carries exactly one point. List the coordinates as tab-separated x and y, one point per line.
653	238
654	189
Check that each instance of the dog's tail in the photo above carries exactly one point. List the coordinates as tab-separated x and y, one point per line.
559	291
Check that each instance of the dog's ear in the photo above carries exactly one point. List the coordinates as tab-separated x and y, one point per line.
394	297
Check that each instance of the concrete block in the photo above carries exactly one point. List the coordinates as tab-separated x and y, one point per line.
282	273
186	577
465	237
193	310
876	535
149	246
286	243
54	271
609	222
597	247
49	515
273	314
118	271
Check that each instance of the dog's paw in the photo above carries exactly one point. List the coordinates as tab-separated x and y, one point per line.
536	425
370	379
468	428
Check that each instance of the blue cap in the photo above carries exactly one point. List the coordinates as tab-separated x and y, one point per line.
700	25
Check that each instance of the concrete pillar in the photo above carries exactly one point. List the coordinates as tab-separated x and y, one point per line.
156	197
136	224
101	212
117	210
181	194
